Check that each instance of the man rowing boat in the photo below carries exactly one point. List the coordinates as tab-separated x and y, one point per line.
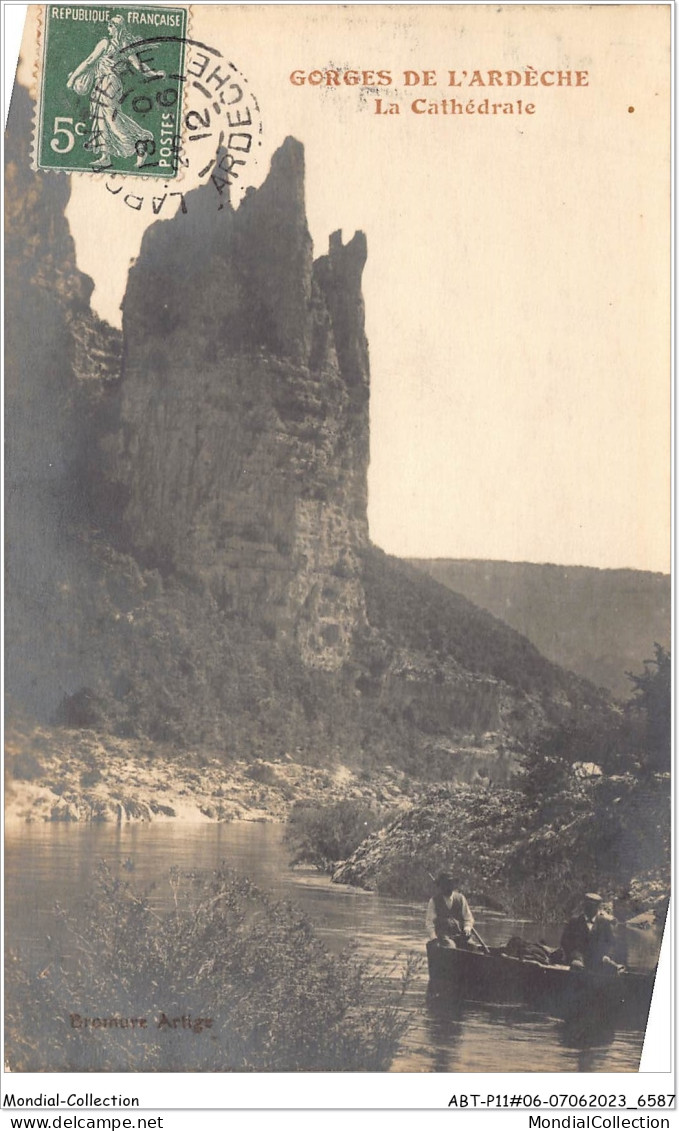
449	920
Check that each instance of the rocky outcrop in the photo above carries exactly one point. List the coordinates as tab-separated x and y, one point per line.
55	346
65	775
62	365
243	442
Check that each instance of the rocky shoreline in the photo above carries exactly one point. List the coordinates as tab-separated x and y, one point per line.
60	775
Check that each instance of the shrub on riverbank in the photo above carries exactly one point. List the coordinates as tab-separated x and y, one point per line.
468	829
228	980
604	833
323	834
590	809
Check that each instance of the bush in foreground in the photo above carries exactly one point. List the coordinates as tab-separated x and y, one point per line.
256	989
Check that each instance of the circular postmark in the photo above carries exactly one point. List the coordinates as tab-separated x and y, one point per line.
220	132
128	96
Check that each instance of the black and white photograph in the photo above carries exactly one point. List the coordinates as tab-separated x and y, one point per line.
337	544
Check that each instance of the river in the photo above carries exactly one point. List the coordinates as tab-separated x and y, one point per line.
52	863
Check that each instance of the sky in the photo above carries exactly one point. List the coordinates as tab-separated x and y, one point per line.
517	287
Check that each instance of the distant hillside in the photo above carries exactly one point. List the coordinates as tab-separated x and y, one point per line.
599	623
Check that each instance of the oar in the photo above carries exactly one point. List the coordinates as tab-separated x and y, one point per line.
480	940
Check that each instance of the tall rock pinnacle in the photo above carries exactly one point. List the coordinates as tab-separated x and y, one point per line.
243	447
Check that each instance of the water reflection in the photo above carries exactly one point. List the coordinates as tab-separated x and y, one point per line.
52	863
467	1036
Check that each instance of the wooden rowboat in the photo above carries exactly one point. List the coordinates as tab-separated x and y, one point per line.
620	1000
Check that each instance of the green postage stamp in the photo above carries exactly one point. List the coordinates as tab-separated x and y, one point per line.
111	89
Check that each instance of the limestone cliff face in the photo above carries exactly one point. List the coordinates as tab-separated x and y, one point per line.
54	344
61	369
243	440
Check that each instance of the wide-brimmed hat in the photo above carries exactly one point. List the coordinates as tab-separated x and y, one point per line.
592	897
445	878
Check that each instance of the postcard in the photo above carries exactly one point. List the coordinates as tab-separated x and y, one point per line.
337	511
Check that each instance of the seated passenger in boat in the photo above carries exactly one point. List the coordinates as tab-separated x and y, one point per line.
588	941
449	920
